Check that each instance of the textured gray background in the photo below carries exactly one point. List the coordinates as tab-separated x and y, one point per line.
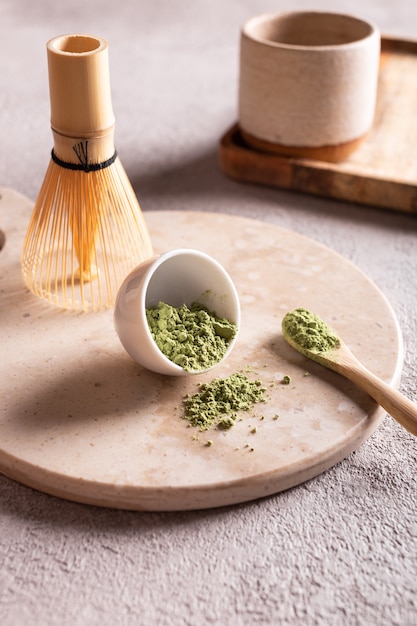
338	550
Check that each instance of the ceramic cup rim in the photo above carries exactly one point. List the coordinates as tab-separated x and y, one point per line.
251	28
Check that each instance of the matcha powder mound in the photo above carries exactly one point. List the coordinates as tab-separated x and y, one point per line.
193	338
309	331
218	402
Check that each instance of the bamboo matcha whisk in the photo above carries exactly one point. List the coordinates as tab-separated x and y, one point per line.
87	231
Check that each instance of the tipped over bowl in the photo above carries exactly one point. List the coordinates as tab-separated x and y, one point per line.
177	280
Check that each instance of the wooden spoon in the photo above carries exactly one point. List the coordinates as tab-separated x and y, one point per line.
311	336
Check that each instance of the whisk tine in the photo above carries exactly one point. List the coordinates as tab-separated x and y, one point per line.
87	231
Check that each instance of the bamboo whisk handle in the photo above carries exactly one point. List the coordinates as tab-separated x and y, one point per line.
80	96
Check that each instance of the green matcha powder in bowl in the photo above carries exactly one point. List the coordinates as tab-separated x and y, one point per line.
178	313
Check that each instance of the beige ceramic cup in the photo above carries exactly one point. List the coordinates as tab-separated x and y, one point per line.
308	83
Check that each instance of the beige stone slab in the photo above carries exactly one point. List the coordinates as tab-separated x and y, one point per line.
79	419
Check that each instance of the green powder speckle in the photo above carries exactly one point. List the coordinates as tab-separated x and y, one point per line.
217	403
286	380
193	338
225	423
309	331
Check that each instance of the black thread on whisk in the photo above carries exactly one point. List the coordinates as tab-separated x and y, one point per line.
81	150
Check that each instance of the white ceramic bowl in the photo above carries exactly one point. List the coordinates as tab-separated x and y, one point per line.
177	277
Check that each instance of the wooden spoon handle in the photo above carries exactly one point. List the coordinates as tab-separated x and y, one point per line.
398	406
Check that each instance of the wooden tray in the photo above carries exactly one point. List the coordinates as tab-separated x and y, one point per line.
382	172
81	420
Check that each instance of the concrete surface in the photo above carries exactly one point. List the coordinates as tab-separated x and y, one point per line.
340	549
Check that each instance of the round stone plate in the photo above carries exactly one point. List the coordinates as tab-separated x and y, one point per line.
80	420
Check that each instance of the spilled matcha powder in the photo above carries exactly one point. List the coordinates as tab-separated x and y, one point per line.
309	331
218	402
193	338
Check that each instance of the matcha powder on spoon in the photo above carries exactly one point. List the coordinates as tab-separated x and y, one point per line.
309	331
